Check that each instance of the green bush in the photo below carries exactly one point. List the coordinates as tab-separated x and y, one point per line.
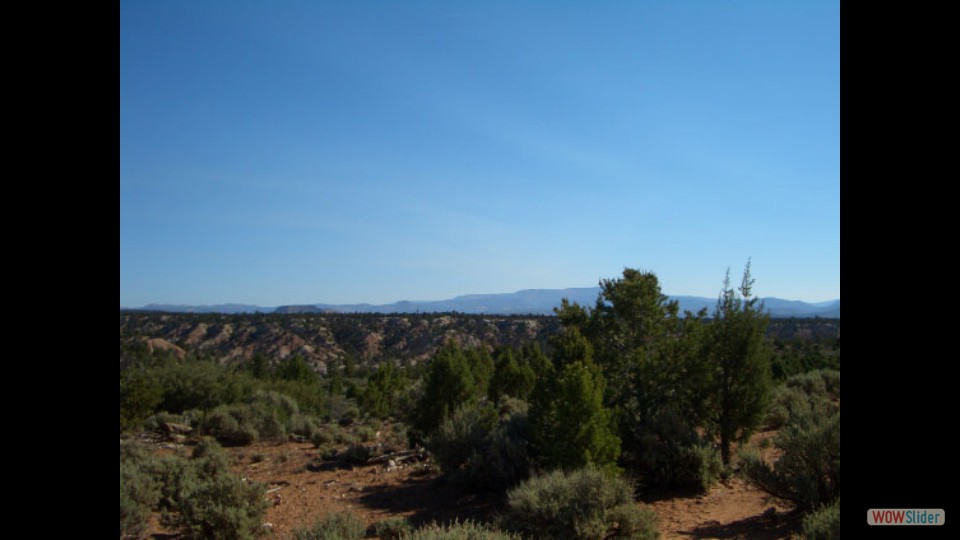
223	507
211	501
172	474
633	521
321	438
786	402
366	433
800	394
477	449
823	524
666	452
393	529
303	425
459	435
357	454
468	530
139	494
705	464
222	423
808	471
343	526
328	453
503	460
266	416
823	383
585	504
349	416
831	382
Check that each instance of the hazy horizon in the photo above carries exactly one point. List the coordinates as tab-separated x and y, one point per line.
339	152
415	300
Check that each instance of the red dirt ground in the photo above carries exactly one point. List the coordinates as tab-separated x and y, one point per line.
375	493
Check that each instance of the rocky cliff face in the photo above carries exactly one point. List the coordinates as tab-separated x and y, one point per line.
323	338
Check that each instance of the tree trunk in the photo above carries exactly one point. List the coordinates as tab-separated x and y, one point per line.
725	450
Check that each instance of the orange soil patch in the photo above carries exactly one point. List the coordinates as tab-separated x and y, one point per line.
372	492
376	492
731	510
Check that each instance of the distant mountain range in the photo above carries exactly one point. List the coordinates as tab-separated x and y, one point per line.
529	301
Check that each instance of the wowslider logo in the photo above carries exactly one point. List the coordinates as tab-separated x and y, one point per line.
904	516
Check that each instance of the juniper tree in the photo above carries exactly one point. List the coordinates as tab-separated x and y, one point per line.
739	357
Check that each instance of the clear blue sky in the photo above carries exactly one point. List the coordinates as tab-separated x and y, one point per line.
300	152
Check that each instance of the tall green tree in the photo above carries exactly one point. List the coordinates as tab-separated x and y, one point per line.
384	386
449	384
739	356
569	424
481	367
510	377
653	358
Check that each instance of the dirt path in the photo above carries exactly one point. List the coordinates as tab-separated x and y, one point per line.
731	510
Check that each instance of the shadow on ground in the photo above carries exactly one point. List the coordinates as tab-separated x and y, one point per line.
424	500
764	527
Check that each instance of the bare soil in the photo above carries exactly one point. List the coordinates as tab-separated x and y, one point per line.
300	496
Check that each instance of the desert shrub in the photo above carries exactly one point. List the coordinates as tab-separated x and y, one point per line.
366	433
275	401
395	438
356	454
393	529
209	458
349	415
583	504
633	521
468	530
821	382
786	402
803	394
328	453
172	474
211	502
270	428
166	474
139	494
460	434
302	424
703	465
200	385
808	471
666	452
343	526
321	438
823	524
831	382
223	424
222	507
503	460
477	449
266	416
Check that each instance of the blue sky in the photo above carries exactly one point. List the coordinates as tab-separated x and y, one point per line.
299	152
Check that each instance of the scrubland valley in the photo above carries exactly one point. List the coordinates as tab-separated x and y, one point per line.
620	419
